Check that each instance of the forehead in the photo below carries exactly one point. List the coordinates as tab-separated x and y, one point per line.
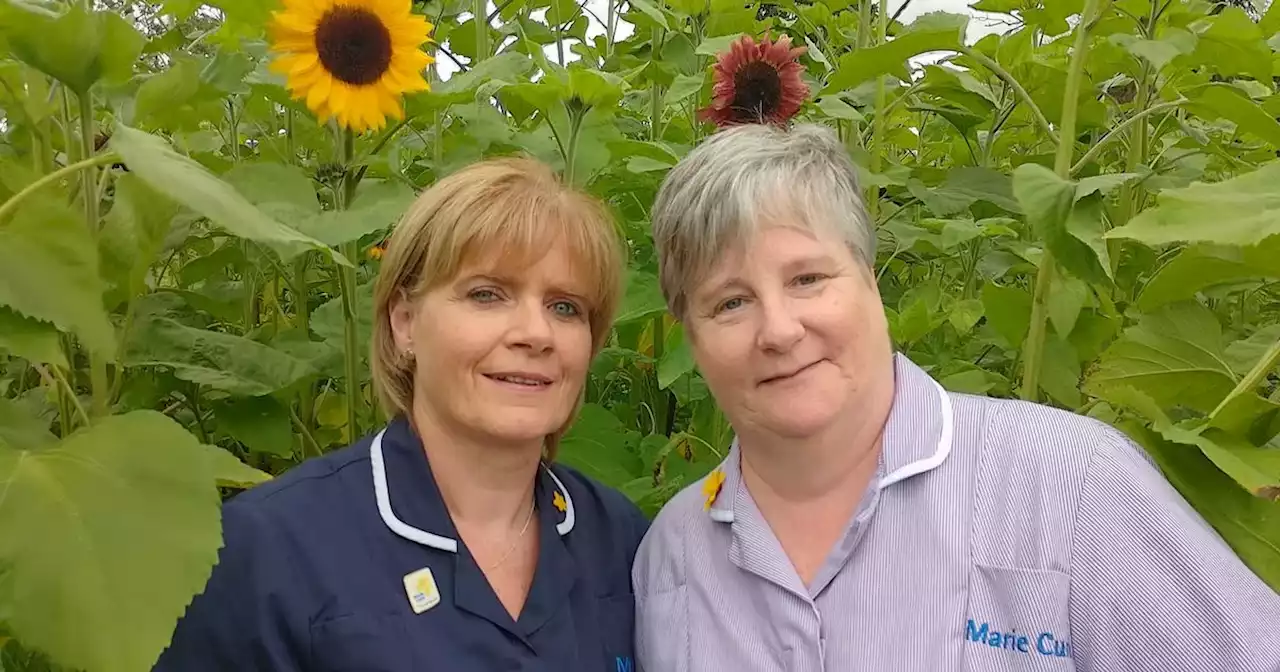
770	247
556	263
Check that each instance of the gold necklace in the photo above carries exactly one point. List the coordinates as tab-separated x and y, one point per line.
520	536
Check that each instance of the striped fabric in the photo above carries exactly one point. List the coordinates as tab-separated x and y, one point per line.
999	536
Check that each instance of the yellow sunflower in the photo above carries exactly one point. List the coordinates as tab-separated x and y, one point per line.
351	59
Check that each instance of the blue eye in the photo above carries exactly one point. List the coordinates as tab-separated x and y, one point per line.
730	304
566	309
484	295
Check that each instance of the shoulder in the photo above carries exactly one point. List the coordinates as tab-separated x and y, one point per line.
283	511
659	564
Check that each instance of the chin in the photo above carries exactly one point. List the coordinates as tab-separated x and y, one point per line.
798	419
519	425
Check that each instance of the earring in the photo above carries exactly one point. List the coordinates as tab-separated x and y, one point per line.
407	357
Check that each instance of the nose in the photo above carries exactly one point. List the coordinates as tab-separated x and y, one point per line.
780	328
531	328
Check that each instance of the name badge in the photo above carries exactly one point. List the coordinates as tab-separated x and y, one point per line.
420	586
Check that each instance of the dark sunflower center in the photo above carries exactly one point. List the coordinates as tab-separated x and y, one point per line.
353	45
757	89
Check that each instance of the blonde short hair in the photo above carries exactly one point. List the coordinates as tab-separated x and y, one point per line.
509	207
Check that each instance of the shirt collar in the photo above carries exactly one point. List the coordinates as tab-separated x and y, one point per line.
409	500
917	439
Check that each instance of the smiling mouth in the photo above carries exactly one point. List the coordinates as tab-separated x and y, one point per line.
789	376
531	382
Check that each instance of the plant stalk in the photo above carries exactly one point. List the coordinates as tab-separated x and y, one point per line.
1033	361
1022	94
1266	364
347	287
878	123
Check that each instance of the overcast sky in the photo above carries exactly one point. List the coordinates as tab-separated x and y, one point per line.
977	26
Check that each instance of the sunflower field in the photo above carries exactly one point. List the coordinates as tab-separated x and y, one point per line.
1080	209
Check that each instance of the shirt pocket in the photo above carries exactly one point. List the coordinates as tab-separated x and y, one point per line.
361	643
662	635
1017	620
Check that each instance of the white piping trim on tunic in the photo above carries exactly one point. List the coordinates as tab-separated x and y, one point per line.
944	445
901	473
423	537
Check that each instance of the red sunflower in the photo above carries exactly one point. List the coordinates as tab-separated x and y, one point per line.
757	83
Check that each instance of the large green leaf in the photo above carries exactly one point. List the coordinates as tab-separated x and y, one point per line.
1200	267
1051	208
76	47
220	361
934	31
1230	103
1232	44
643	297
262	183
1174	355
1242	210
600	446
376	208
105	537
677	359
192	185
49	271
229	472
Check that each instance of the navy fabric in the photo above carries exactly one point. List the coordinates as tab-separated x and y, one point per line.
310	578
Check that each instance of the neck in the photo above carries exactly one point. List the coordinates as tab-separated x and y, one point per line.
833	464
484	484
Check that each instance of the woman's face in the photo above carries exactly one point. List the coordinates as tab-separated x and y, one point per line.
502	353
789	332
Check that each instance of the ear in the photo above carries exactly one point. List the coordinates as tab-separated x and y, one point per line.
401	316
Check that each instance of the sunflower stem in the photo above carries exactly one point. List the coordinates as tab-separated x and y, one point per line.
1033	360
89	192
877	133
480	14
347	287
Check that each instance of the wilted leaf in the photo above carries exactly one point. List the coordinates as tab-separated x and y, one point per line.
1174	355
220	361
49	271
106	536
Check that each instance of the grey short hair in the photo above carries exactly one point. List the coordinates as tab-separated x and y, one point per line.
727	185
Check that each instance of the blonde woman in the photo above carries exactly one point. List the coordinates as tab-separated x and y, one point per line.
448	540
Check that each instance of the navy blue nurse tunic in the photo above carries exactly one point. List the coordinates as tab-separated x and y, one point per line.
350	563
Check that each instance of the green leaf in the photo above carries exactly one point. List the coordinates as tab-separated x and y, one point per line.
75	47
838	109
160	95
1067	297
1174	42
30	339
1103	184
49	271
190	184
964	314
263	183
677	359
602	448
683	88
650	11
329	324
1230	103
1242	210
261	423
106	536
595	88
133	236
1174	355
375	208
934	31
1060	375
1233	45
1249	524
1048	201
20	431
230	472
1008	310
221	361
983	184
1244	354
643	297
1200	267
714	46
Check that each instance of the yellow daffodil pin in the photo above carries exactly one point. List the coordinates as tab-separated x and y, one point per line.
711	487
558	502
